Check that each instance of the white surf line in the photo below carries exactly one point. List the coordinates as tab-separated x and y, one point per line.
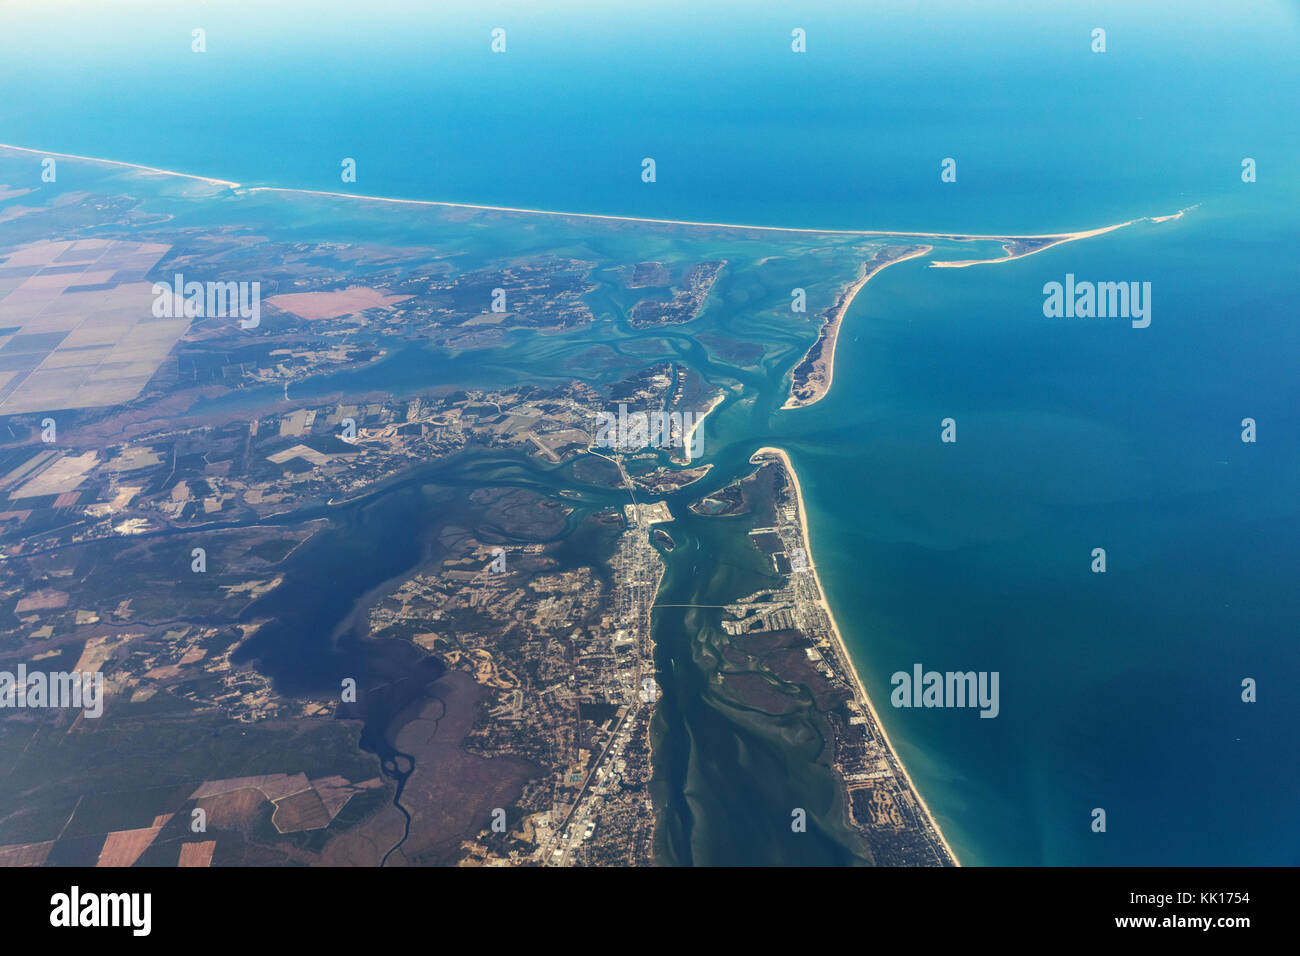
956	237
760	457
114	162
1071	237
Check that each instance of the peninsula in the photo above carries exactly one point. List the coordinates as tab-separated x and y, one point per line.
883	803
812	377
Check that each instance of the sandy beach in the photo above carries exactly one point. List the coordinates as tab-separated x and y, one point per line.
884	233
114	162
1072	237
820	357
1060	240
859	689
714	402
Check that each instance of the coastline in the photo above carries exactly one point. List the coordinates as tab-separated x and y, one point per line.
1010	256
118	162
768	451
806	531
803	230
820	356
718	398
821	374
1088	234
1060	237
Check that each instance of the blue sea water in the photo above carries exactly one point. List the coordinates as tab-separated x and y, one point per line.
1118	690
1047	134
1121	690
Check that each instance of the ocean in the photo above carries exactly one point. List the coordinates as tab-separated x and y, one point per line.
1119	690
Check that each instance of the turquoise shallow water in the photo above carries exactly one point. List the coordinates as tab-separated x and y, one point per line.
1119	691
